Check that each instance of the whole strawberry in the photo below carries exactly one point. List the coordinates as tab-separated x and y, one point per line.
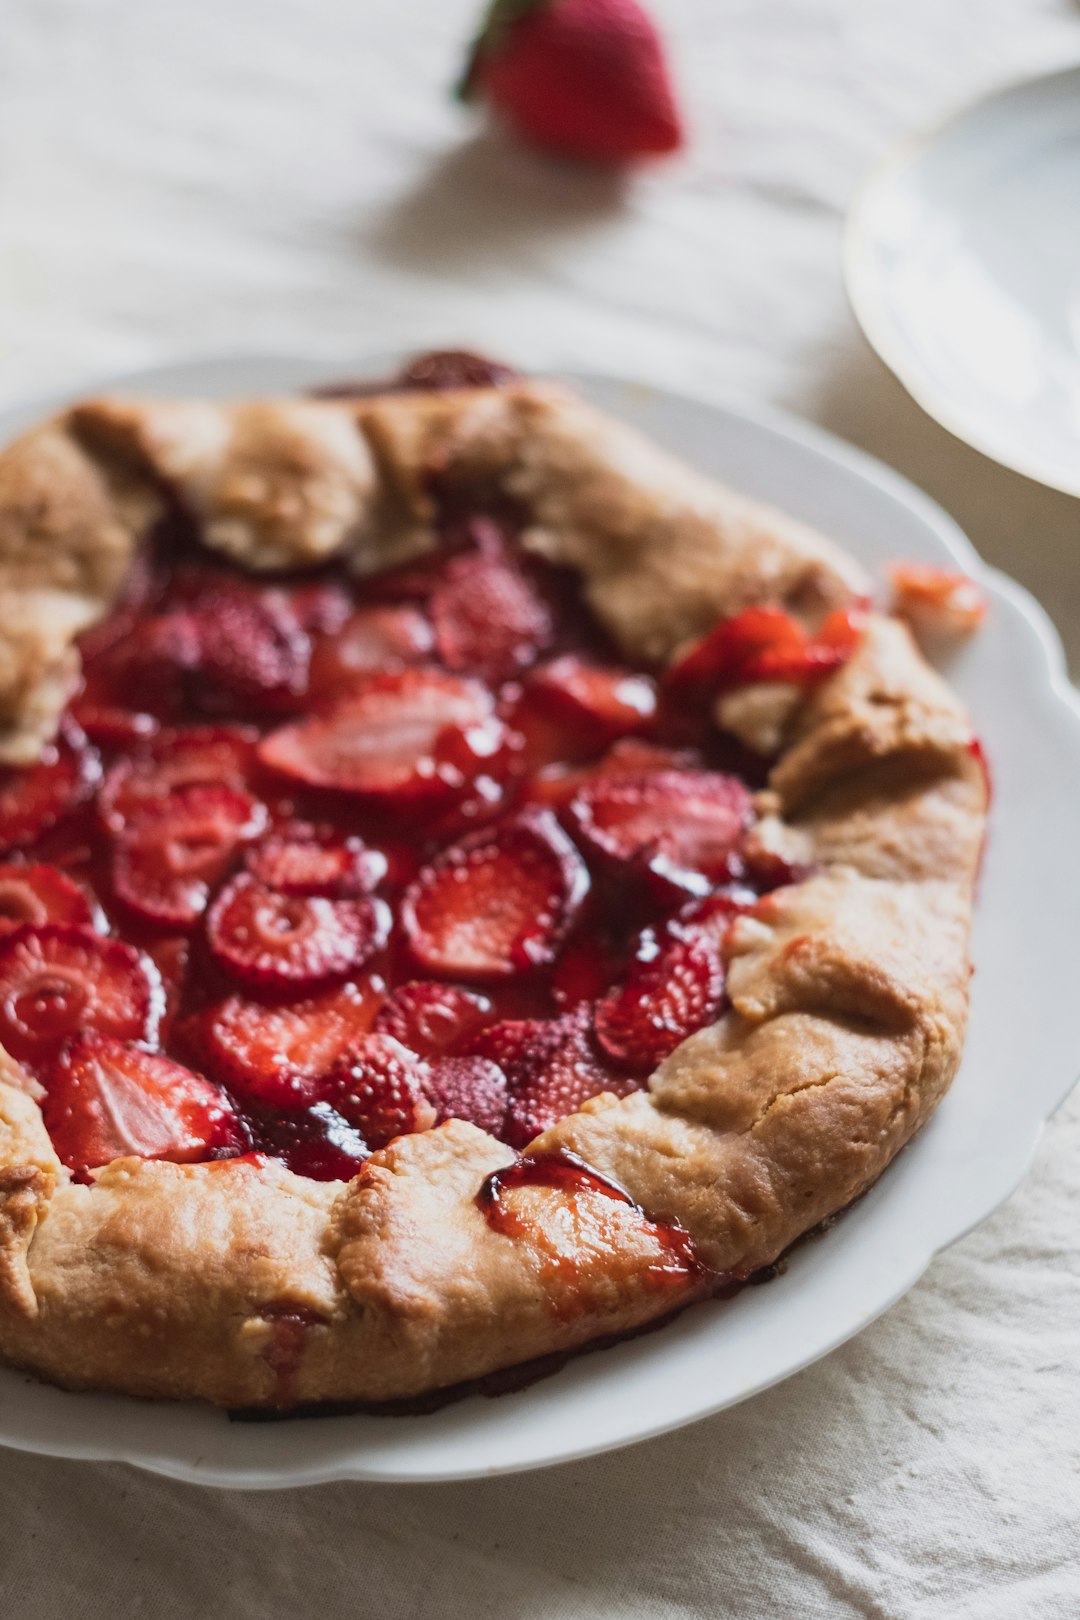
584	78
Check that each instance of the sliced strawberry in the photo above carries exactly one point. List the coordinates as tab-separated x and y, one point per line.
56	981
107	1099
109	726
416	736
592	705
498	903
315	1142
764	644
296	860
552	1066
734	646
711	917
151	664
489	618
40	894
252	652
169	859
278	1055
675	986
820	655
469	1088
936	602
290	942
681	827
433	1020
380	1088
631	756
33	798
192	756
375	638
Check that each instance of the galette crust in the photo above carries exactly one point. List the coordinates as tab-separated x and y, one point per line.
246	1285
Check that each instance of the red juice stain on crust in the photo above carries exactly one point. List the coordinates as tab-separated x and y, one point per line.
680	1263
284	1351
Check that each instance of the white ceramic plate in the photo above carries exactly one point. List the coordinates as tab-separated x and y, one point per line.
962	257
1022	1055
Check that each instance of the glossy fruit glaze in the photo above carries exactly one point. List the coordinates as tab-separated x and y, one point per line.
317	861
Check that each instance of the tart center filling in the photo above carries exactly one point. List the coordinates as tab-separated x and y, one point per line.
317	861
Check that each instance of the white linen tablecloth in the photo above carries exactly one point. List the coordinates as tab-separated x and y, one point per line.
225	175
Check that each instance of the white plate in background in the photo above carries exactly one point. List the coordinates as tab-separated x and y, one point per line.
962	257
1021	1058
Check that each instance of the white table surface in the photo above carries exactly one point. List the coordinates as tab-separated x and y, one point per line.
194	176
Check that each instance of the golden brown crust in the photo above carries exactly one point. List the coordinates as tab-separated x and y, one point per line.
247	1285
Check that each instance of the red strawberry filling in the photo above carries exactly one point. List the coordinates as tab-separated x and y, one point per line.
489	618
279	1054
35	799
195	756
171	854
499	903
675	987
450	858
379	1086
33	895
552	1066
56	982
433	1019
107	1099
404	740
298	861
376	638
277	941
680	828
469	1088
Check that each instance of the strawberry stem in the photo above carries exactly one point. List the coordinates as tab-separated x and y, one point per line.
498	20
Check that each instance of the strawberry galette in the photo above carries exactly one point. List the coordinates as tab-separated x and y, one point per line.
469	887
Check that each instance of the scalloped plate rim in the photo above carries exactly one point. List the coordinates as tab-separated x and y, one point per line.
148	1443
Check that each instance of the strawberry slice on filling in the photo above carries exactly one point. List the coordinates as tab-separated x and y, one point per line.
499	903
279	1055
33	798
374	638
552	1066
169	859
297	860
287	942
107	1099
682	828
434	1020
765	644
410	737
253	654
489	617
33	895
381	1088
57	981
469	1088
589	706
189	756
674	988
